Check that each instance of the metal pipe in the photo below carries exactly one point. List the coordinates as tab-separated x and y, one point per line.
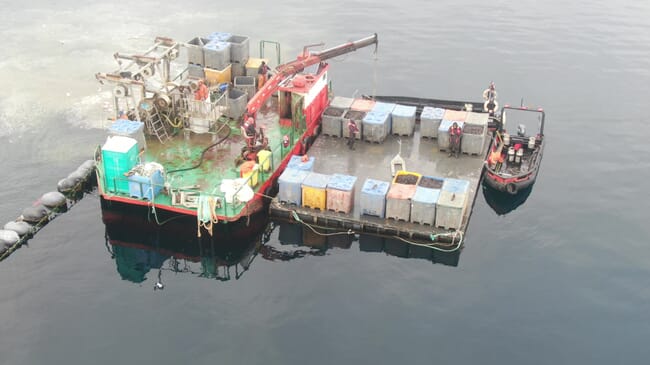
348	47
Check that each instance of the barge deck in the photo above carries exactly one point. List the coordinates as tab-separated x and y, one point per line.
373	160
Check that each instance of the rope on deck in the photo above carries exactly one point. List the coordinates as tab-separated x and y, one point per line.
455	246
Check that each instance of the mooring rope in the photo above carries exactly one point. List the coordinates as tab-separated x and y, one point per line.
433	245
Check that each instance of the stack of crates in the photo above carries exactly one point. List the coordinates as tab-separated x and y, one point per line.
430	119
239	55
452	204
423	206
340	193
314	191
290	186
474	133
195	51
403	120
239	49
332	121
225	57
216	55
373	197
119	155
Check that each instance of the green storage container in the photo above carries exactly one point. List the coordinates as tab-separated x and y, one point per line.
119	155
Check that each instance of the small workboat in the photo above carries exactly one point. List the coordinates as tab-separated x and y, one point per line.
513	163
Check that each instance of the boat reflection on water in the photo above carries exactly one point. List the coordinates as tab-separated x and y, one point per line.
504	203
319	241
142	247
139	245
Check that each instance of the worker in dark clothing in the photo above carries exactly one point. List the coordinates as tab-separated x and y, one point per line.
262	72
455	133
353	130
248	131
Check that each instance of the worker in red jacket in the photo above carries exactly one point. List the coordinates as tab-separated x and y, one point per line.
201	92
455	132
353	130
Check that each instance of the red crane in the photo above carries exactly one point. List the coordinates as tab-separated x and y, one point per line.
298	65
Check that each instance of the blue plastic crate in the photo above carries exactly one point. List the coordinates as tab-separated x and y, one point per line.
455	186
403	120
373	197
341	182
430	121
217	55
423	205
383	108
145	187
296	163
220	36
290	186
376	126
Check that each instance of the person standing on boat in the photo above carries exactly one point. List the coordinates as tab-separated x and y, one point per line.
201	93
353	130
248	131
202	97
455	132
262	72
490	94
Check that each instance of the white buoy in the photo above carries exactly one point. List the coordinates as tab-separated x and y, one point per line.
8	238
52	199
34	214
20	227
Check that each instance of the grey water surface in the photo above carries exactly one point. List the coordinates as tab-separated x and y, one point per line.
561	279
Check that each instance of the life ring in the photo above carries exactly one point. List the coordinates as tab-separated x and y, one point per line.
485	105
486	94
511	188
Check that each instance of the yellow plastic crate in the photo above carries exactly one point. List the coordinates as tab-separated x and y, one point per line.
264	159
249	168
216	77
315	198
253	64
400	173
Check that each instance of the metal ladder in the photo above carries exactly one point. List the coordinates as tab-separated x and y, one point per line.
157	127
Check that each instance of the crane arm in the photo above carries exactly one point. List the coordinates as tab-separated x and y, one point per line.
298	65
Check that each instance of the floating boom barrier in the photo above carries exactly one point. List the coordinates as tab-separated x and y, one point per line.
69	191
